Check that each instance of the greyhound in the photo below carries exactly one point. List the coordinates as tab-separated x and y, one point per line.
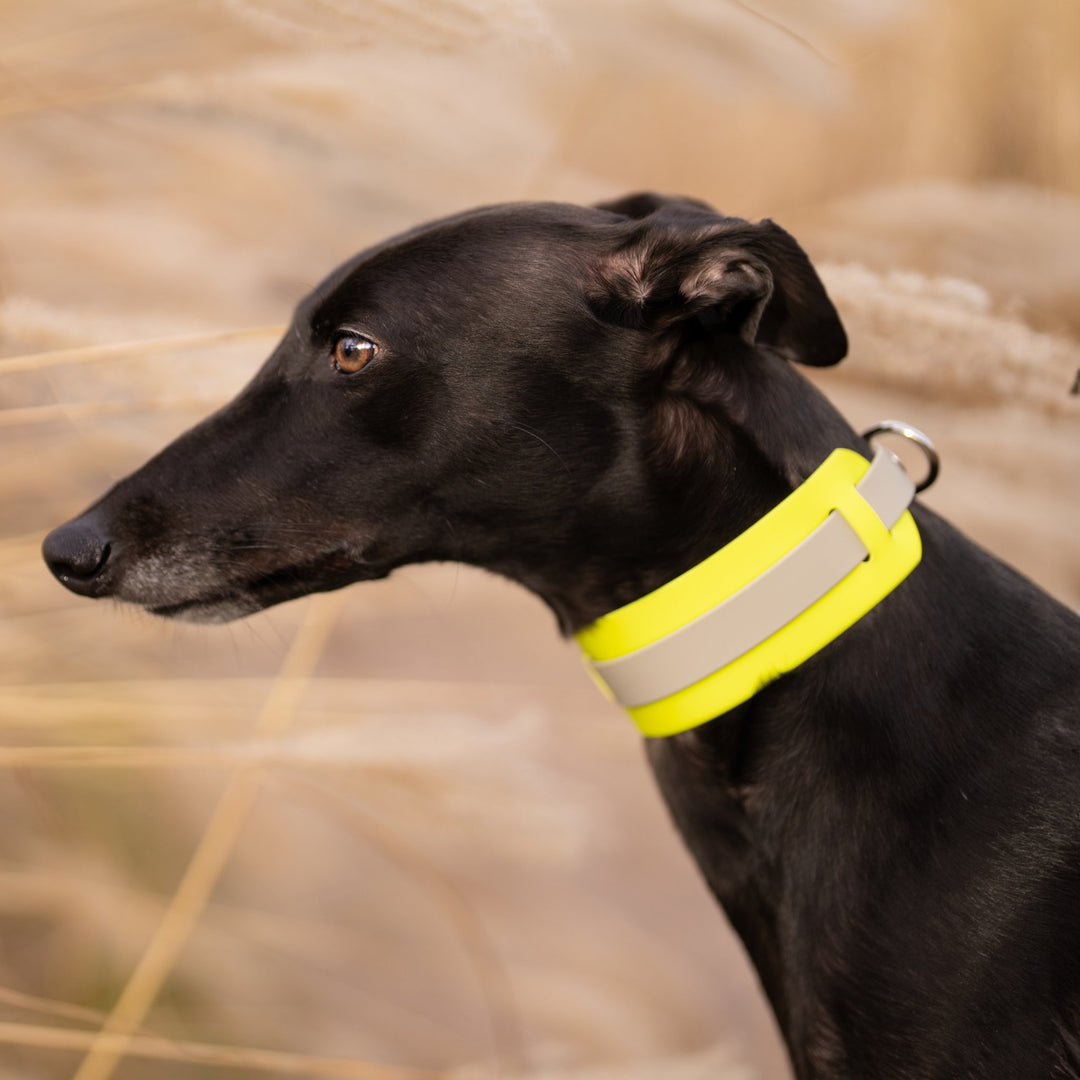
597	403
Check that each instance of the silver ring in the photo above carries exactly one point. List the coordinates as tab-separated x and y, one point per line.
921	440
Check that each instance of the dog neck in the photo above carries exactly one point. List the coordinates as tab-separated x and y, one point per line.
872	791
858	800
767	797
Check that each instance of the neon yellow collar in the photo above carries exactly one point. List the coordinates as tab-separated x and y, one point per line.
763	604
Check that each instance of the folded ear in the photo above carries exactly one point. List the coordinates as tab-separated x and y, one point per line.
642	203
732	276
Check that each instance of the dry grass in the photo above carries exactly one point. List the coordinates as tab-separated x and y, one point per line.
136	350
401	837
109	1047
213	851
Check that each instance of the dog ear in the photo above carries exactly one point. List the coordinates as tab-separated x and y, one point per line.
643	203
731	276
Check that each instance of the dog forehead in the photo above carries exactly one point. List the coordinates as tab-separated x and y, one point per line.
475	256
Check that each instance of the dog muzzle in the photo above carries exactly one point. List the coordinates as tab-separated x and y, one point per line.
763	604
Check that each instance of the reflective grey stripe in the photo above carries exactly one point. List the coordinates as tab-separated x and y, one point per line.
765	605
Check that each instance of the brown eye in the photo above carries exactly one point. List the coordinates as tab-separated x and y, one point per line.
352	352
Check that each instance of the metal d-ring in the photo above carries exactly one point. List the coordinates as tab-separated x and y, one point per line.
921	440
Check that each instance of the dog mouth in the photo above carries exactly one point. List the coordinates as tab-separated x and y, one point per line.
211	609
323	573
208	577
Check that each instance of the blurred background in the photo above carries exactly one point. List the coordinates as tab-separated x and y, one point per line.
395	833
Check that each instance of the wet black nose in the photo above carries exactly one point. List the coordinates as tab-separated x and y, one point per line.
77	554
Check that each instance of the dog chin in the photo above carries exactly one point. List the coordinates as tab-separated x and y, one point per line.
207	612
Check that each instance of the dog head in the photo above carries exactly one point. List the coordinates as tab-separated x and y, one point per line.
541	389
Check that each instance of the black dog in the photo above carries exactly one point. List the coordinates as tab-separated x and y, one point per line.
590	402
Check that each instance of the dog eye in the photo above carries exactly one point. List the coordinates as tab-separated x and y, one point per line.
352	352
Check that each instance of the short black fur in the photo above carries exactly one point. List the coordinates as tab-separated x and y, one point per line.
590	401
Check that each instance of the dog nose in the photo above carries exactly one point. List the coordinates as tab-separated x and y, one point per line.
77	553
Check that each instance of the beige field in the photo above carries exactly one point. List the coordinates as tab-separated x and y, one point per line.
394	833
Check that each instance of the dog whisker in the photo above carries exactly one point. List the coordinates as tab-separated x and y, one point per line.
540	439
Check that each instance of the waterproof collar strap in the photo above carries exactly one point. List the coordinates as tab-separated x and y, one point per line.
762	605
